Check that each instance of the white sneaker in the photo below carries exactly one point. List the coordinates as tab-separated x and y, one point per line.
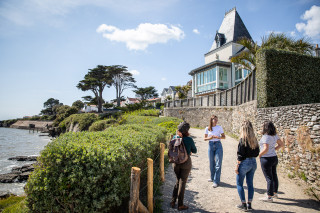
209	180
274	195
214	185
266	199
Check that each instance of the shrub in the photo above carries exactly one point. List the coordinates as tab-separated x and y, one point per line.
101	125
171	126
90	171
146	112
13	204
84	121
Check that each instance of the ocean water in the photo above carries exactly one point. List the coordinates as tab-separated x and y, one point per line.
17	142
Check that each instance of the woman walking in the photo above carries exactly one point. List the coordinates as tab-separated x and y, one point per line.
248	150
214	133
182	170
269	143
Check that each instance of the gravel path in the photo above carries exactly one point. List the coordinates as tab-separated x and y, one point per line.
200	196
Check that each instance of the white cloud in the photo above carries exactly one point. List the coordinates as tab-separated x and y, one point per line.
196	31
163	79
134	72
312	26
141	37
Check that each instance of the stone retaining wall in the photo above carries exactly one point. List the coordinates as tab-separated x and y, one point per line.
24	124
297	125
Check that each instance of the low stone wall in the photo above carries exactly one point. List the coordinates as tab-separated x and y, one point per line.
297	125
24	124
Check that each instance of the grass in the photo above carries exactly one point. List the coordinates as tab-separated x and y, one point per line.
13	204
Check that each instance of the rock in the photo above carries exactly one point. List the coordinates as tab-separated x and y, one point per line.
316	127
4	195
24	158
8	178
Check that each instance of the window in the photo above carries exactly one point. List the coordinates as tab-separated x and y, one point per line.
206	80
238	74
223	78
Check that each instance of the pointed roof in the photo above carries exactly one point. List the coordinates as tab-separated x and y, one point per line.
232	28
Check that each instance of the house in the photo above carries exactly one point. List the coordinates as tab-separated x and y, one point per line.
129	101
168	92
154	101
90	108
218	72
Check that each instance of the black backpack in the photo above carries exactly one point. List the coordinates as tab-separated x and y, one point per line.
177	152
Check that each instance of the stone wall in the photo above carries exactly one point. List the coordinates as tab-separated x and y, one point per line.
298	126
24	124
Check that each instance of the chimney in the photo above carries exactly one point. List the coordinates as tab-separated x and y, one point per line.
317	50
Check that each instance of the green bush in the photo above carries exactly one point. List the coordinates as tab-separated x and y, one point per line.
90	171
101	125
287	78
170	123
84	120
13	204
145	112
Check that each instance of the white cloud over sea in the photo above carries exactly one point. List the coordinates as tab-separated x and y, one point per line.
142	36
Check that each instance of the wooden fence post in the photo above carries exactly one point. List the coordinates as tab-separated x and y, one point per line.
134	190
150	185
162	161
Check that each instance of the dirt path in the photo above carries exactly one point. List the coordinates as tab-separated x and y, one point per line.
200	196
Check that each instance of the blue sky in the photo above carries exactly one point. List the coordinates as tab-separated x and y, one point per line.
47	46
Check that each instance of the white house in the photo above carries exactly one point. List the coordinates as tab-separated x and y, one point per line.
218	72
168	92
129	101
90	108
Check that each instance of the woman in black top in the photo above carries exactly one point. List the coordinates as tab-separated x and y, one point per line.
248	150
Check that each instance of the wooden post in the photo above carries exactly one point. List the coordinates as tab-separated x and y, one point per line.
162	161
150	185
134	190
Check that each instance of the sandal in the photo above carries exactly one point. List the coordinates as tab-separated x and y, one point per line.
172	204
183	207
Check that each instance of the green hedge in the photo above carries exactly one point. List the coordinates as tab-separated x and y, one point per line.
170	123
286	78
90	171
84	120
102	125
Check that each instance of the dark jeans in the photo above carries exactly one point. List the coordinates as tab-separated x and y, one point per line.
269	169
182	172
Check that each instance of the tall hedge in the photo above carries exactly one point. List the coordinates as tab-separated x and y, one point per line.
287	78
90	171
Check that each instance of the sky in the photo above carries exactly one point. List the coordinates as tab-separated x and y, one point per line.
48	46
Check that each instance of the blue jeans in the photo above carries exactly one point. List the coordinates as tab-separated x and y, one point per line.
246	170
215	153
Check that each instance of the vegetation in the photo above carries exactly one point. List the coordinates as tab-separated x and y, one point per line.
102	125
89	171
64	111
145	112
121	80
182	91
83	121
277	69
78	104
95	81
272	41
13	204
146	93
49	106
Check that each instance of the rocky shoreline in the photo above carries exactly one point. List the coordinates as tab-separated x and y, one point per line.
19	174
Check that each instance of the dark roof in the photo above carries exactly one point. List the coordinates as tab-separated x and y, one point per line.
232	27
212	64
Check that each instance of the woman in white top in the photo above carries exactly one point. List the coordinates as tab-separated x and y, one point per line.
269	143
214	133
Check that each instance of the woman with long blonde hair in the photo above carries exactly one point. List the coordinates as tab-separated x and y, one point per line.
248	150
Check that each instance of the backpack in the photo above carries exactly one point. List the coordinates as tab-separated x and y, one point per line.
177	152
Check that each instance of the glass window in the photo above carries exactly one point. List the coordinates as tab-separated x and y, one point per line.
245	73
223	74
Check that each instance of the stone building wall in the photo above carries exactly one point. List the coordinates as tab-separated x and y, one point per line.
298	126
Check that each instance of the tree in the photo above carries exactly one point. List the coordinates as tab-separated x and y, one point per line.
95	81
121	80
146	93
48	105
78	104
276	41
183	91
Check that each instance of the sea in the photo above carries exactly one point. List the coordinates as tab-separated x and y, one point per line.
18	142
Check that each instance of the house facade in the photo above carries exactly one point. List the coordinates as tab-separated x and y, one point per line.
218	72
168	92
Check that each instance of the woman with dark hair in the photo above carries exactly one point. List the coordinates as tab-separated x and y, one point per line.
182	170
214	133
248	150
269	144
